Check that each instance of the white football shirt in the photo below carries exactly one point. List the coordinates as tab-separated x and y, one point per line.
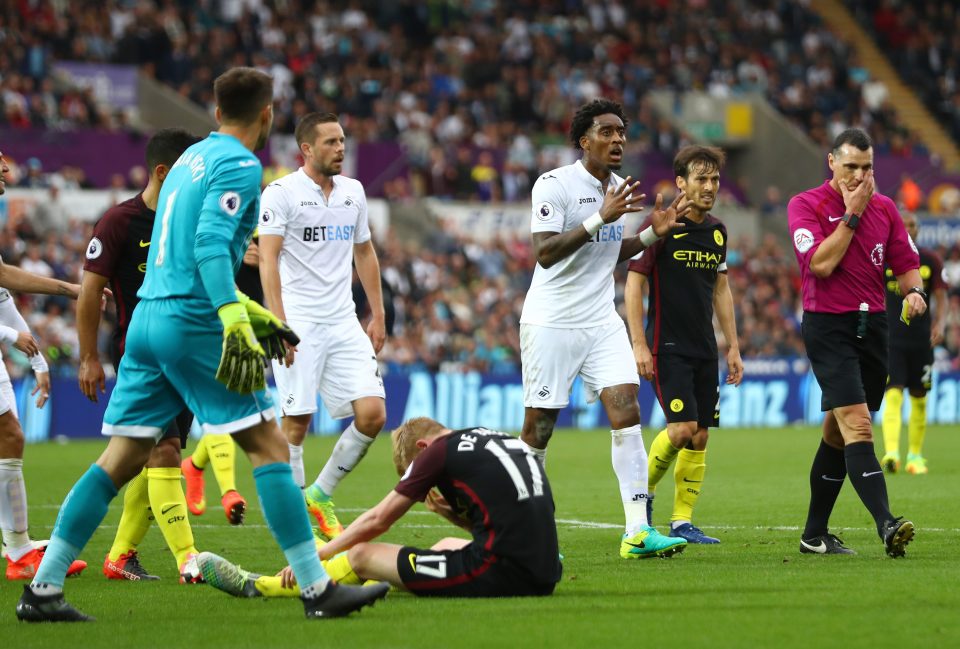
315	262
577	291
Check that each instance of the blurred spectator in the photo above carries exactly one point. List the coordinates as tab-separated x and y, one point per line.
909	195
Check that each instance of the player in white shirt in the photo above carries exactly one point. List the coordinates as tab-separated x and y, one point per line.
313	224
23	555
569	325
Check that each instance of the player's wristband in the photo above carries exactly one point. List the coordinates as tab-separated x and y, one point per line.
593	223
851	220
648	237
39	363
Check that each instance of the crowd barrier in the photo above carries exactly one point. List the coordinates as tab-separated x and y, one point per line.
774	393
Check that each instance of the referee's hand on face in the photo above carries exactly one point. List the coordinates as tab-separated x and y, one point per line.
855	200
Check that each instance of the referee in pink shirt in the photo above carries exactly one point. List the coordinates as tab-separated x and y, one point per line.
844	233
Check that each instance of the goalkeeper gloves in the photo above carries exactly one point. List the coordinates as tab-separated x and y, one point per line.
241	362
270	330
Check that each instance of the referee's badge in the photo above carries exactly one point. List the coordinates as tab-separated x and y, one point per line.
544	211
718	237
94	248
876	255
803	239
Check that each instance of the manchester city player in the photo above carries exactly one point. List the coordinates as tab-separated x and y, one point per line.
189	307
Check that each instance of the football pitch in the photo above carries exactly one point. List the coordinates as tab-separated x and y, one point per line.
753	590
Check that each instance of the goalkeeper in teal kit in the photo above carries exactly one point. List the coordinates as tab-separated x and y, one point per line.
195	341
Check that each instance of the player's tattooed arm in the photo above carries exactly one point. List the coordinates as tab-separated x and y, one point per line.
24	281
551	247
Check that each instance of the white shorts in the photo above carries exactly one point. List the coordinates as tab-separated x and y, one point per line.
336	359
552	358
8	400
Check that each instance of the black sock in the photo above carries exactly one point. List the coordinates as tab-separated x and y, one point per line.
826	479
867	478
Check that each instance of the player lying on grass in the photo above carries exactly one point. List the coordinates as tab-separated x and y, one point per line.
481	480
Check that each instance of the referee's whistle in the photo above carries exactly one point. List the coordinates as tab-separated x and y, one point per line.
862	321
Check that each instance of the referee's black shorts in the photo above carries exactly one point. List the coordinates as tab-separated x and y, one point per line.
850	370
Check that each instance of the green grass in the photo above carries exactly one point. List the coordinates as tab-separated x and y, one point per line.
753	590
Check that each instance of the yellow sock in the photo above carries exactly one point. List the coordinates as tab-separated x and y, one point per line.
917	425
136	517
661	455
892	420
221	450
270	586
200	457
338	568
688	475
170	508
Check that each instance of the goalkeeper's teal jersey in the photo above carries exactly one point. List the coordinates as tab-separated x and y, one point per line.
207	208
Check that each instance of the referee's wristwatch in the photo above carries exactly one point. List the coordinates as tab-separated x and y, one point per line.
919	291
851	220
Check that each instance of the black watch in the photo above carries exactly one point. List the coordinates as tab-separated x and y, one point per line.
852	220
919	291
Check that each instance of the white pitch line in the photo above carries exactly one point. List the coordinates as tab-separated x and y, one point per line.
570	522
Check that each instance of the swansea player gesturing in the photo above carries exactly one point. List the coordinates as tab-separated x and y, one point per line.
569	325
688	282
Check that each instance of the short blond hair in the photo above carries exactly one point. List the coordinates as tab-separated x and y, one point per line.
405	439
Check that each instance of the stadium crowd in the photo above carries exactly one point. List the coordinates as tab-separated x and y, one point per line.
922	42
456	301
476	92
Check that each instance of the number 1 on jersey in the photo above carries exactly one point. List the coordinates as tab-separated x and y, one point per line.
165	227
507	460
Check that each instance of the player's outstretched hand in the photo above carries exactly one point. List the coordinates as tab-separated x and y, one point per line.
271	331
241	362
620	200
665	220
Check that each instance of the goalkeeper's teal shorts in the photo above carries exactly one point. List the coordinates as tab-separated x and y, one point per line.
170	362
